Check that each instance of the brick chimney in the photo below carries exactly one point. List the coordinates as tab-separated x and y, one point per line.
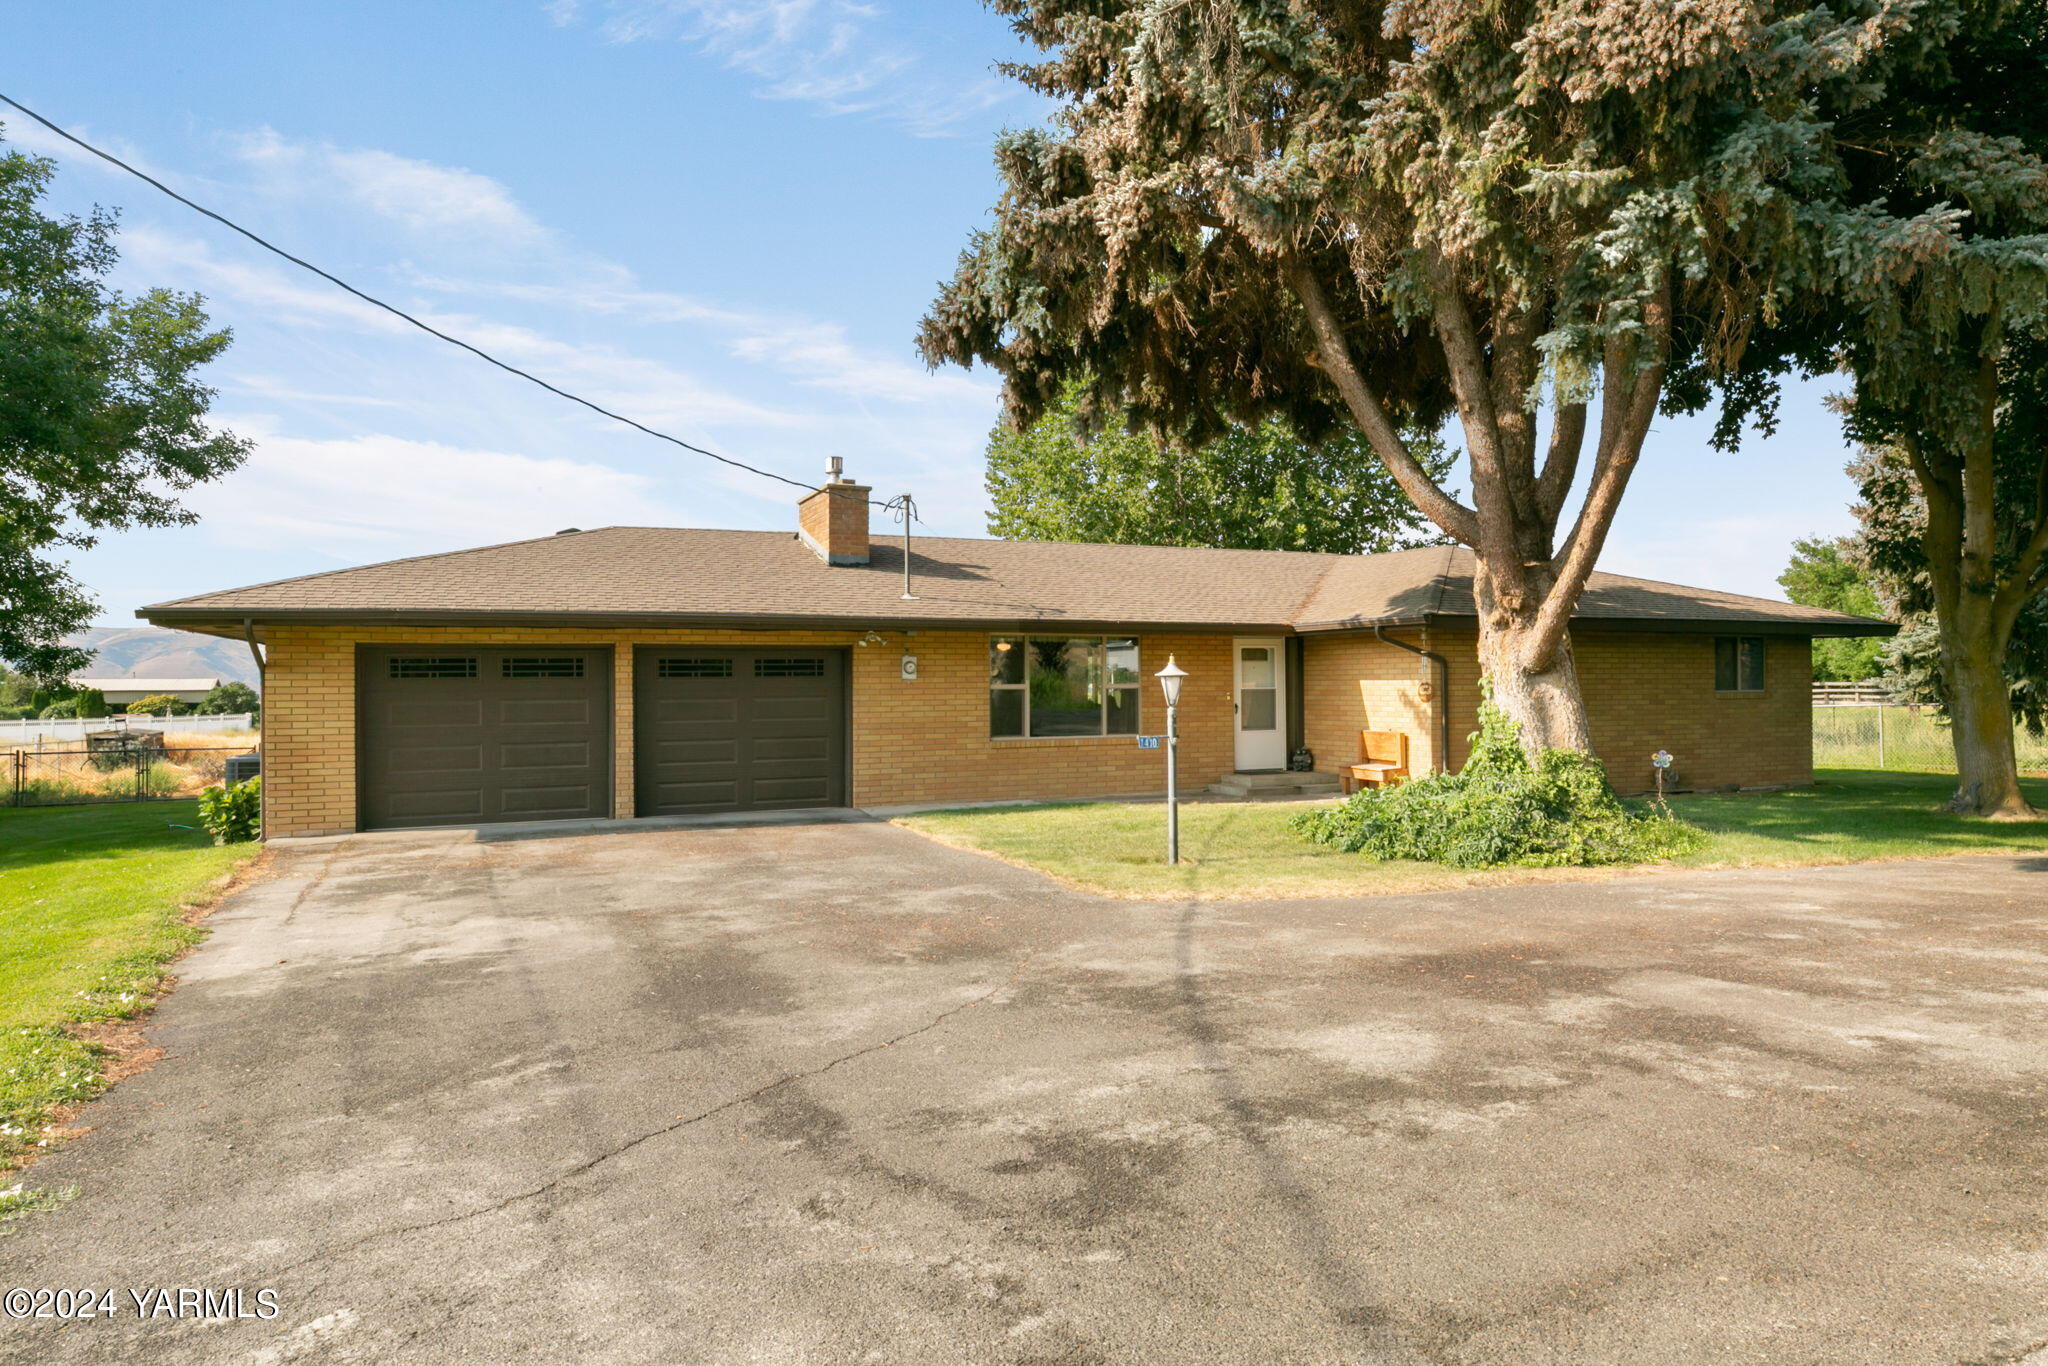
833	519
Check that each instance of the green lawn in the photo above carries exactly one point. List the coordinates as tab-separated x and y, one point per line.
90	904
1242	850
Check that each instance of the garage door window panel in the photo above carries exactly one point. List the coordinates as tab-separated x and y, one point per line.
432	666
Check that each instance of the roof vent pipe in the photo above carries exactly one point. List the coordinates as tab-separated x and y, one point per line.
906	509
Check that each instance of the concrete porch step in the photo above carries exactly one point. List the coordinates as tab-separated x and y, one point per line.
1264	785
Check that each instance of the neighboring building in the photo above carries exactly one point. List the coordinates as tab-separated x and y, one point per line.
656	671
119	692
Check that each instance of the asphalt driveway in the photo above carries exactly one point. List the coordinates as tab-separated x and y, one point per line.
831	1093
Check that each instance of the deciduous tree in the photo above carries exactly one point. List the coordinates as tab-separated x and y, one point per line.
1827	573
101	413
1248	488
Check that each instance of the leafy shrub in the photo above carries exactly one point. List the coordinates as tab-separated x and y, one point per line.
92	703
1501	809
63	709
158	704
229	699
232	814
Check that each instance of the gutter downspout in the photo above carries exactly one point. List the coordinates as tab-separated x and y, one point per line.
262	668
1443	693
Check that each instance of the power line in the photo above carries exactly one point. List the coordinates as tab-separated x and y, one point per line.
396	312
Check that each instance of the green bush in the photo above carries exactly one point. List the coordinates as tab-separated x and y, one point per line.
159	704
63	709
233	814
1501	809
92	703
230	699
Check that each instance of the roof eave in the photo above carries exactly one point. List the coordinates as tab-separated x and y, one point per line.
1766	626
231	619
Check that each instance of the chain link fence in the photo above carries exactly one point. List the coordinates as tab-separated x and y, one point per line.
1900	737
80	775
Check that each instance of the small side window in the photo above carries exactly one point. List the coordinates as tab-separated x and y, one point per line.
1738	664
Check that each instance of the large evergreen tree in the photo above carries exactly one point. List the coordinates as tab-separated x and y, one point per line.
1249	488
1371	214
101	416
1944	250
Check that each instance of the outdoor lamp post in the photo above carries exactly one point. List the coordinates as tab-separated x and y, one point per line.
1169	683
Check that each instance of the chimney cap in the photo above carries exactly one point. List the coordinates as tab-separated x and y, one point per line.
835	469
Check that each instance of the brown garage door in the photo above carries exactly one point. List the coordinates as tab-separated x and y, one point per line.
738	730
450	735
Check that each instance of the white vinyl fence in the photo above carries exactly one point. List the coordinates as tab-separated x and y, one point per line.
76	729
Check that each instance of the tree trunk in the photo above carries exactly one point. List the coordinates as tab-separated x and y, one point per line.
1544	699
1980	710
1974	608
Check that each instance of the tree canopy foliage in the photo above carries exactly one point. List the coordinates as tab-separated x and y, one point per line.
1248	488
1383	214
101	415
231	698
1826	573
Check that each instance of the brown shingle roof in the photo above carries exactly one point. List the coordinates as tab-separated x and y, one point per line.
676	575
1412	586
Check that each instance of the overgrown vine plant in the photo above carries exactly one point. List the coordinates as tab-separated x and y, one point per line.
1518	213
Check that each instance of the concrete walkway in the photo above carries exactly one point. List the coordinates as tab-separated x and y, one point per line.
831	1093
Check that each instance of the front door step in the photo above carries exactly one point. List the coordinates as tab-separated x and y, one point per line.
1275	785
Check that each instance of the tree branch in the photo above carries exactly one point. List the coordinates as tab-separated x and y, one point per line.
1623	427
1334	354
1561	465
1501	547
2019	587
1941	541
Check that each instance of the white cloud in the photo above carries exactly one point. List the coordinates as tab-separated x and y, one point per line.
835	54
649	390
421	196
380	497
283	293
24	134
817	353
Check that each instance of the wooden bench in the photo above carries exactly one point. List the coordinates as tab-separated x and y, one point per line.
1382	761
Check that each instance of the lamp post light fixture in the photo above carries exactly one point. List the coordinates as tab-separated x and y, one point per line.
1170	679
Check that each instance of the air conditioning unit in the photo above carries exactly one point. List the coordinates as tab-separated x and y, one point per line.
243	766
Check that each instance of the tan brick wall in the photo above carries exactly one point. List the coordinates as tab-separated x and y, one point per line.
1648	691
913	741
1352	683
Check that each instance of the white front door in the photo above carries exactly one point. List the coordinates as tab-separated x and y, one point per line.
1261	704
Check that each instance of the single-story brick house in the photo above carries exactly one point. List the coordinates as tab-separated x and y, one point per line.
655	671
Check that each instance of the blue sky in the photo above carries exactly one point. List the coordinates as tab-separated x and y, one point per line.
724	218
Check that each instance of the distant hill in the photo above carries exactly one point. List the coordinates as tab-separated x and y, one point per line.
153	652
